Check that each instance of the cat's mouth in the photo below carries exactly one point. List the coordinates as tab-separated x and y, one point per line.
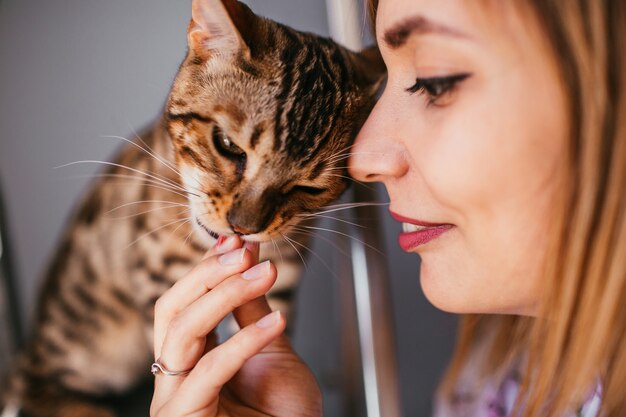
211	233
216	236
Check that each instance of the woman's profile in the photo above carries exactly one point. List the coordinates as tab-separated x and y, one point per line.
500	138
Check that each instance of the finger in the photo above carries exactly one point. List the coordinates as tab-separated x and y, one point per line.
251	311
222	245
254	248
188	283
185	335
257	308
202	387
185	338
202	278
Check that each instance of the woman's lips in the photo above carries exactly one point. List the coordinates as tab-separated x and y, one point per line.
417	232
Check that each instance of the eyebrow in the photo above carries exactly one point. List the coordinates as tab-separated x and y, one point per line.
400	32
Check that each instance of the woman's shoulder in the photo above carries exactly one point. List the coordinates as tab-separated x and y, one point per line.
495	397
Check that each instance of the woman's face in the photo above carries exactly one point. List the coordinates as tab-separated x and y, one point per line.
469	134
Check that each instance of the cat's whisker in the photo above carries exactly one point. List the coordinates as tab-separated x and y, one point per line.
319	236
296	249
187	238
319	258
172	166
339	152
335	219
158	187
346	235
173	203
179	226
154	231
150	152
345	206
161	180
357	204
277	249
349	154
146	182
146	212
337	168
351	179
147	150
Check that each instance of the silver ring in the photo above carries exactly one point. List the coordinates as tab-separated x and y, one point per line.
157	368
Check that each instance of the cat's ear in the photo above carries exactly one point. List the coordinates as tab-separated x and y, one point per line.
370	68
218	28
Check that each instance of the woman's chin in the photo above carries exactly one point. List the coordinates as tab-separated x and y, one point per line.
453	291
437	291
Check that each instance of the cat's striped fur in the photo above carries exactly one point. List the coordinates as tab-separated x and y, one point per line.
251	139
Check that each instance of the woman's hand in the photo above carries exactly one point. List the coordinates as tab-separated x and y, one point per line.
255	372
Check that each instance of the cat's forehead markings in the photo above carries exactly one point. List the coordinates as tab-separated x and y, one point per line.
317	171
256	135
234	113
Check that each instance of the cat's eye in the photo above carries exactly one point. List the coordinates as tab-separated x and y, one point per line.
225	145
308	189
435	88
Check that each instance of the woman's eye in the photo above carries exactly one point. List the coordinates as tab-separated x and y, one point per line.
224	145
436	87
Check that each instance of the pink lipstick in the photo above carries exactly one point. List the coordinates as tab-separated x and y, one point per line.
417	232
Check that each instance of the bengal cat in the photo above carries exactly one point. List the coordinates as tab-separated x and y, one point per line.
252	140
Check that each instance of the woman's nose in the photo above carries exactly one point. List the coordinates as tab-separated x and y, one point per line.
377	155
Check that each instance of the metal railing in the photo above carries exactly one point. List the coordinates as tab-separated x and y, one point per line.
367	310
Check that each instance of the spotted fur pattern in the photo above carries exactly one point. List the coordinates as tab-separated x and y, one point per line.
248	144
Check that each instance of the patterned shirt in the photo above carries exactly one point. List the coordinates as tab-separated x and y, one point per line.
498	399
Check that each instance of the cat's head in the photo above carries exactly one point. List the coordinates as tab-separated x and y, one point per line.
261	116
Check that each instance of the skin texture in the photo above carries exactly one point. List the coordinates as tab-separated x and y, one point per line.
483	157
254	373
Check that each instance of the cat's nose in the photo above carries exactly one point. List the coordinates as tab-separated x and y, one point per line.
253	211
242	230
247	219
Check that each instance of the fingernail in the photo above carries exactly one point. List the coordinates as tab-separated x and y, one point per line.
225	244
232	258
220	241
257	271
268	321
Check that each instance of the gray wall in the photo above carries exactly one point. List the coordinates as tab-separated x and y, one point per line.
72	71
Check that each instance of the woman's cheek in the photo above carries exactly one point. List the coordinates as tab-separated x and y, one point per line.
460	166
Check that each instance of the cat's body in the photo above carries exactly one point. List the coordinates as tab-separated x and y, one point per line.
251	139
94	320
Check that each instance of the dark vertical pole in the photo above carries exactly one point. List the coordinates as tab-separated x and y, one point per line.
9	284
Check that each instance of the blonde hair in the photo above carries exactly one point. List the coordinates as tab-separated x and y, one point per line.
580	339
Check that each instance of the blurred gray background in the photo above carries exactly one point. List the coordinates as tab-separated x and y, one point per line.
72	71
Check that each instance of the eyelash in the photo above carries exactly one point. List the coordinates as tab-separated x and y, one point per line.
436	87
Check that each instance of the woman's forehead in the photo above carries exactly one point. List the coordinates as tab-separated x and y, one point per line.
437	16
495	25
